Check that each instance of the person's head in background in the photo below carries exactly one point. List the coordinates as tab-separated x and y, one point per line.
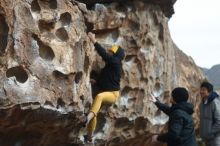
205	89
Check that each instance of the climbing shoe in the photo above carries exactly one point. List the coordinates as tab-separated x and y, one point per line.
87	139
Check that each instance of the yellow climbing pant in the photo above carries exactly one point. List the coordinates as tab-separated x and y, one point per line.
103	97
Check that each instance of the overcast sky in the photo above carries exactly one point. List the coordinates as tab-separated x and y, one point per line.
195	28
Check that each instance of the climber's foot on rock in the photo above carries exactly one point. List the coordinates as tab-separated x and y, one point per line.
87	139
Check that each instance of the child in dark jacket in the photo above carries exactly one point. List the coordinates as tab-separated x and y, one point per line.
180	125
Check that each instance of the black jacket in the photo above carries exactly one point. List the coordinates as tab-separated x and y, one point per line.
109	78
180	126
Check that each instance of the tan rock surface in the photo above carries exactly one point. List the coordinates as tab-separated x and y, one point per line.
45	64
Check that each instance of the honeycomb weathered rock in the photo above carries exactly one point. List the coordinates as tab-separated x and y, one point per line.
45	64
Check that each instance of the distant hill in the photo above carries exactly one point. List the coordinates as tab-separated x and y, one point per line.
213	74
205	70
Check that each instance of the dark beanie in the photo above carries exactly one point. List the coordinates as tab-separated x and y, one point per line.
180	94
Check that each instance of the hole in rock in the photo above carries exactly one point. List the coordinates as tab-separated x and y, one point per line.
62	34
78	77
145	80
157	86
49	103
86	63
45	26
134	26
18	71
129	58
59	74
161	32
149	42
60	102
52	4
35	6
131	42
65	18
122	122
89	26
82	97
111	34
3	34
132	100
45	51
126	90
140	123
151	78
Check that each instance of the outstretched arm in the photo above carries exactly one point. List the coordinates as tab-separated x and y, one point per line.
165	108
101	51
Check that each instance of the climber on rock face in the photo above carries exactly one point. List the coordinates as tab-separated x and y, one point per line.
180	125
108	82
